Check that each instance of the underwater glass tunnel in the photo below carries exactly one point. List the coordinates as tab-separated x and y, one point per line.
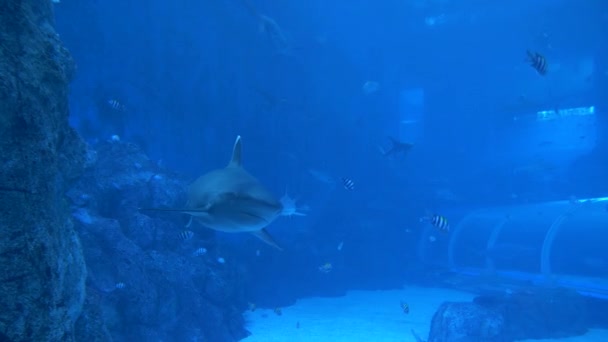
560	243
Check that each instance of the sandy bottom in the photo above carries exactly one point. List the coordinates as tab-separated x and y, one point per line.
363	316
594	335
358	316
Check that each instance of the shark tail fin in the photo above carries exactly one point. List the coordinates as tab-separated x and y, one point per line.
263	235
236	153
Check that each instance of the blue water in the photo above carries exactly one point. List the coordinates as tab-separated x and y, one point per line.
451	78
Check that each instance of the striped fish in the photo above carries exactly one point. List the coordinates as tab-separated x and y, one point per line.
348	183
116	105
538	62
186	235
200	251
405	307
440	222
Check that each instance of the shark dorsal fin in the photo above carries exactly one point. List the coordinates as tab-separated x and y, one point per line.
236	153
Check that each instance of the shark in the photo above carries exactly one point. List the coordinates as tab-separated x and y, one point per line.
231	200
396	148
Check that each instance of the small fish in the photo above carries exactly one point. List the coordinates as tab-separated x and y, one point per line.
321	177
348	183
340	245
274	33
298	325
326	268
116	105
405	307
251	306
538	62
221	260
200	251
257	252
120	286
186	235
432	238
278	311
438	221
370	87
397	147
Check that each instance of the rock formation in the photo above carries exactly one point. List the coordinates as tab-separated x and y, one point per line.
43	271
533	313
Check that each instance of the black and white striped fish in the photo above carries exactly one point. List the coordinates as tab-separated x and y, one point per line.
186	235
538	62
116	105
440	222
348	183
200	251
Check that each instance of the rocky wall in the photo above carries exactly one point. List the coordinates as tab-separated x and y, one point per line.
42	270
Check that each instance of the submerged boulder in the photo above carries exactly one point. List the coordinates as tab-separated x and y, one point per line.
540	313
535	313
467	322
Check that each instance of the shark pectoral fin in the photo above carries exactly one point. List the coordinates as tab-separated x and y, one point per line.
189	211
194	212
263	235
